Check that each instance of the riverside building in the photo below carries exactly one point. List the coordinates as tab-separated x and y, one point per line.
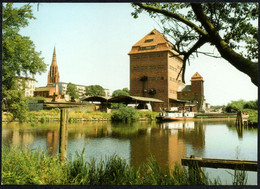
155	71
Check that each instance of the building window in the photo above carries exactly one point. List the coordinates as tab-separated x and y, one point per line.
153	78
162	78
158	78
144	56
152	55
134	68
148	40
148	47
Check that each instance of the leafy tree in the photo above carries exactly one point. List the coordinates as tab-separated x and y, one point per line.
16	103
124	91
19	54
19	57
125	114
95	90
226	26
72	91
251	105
235	106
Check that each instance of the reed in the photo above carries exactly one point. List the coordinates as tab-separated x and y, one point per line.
26	167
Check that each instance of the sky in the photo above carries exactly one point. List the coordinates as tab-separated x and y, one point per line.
92	42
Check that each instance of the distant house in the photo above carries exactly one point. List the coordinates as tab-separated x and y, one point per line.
107	92
27	84
46	92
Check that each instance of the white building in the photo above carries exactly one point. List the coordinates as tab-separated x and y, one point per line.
27	84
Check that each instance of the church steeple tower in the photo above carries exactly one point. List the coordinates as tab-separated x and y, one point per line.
53	76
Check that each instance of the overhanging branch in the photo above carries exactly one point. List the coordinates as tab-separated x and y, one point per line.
173	15
242	64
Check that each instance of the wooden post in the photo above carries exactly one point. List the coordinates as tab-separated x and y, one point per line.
239	120
195	170
63	133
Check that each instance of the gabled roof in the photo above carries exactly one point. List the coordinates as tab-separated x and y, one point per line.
196	77
154	41
155	36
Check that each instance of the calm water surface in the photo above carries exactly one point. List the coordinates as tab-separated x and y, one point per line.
135	142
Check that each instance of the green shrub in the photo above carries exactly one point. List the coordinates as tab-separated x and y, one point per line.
125	114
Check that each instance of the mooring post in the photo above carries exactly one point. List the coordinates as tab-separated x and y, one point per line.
64	114
239	120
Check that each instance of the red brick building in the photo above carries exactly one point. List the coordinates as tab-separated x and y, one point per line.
154	70
194	93
50	92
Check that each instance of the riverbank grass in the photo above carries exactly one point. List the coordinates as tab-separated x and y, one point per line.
25	167
76	116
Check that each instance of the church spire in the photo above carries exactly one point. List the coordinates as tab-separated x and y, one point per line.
53	76
54	61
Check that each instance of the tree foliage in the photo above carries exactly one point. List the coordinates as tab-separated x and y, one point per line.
95	90
226	26
124	91
16	103
72	91
240	105
19	54
19	57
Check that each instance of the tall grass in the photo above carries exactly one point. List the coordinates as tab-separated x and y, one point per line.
25	167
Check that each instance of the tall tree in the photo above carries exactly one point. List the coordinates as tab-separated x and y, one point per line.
95	90
18	55
72	91
226	26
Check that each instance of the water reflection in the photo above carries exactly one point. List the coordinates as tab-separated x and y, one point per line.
135	142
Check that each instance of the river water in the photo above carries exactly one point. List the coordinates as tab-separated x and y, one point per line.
136	142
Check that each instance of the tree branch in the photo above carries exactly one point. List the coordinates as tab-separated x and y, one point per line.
246	66
173	15
202	40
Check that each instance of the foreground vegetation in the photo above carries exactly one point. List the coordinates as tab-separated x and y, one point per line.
54	115
249	107
25	167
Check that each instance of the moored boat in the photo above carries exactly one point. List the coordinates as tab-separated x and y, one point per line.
175	116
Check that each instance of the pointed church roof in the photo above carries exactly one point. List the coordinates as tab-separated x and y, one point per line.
196	77
54	60
154	41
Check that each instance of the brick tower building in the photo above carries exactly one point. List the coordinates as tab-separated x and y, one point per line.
53	76
194	92
154	67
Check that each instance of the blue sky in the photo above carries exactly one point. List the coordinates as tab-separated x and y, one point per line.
92	42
